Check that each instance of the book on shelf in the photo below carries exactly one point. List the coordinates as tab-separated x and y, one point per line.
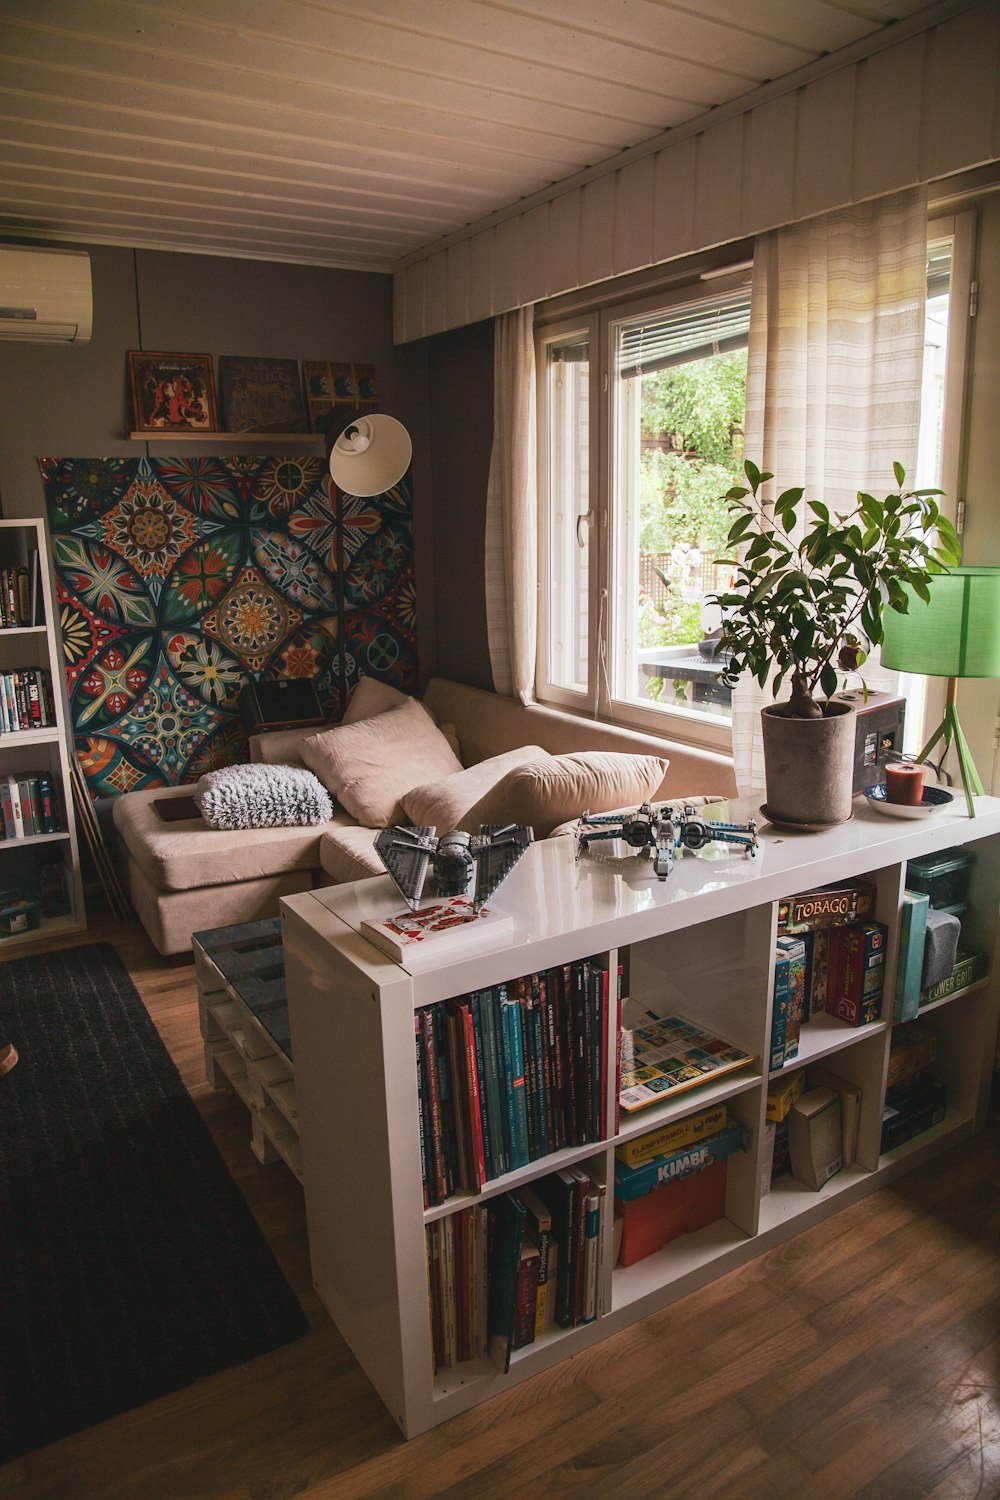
815	1137
487	1069
438	933
782	1094
526	1295
672	1136
663	1056
910	962
857	973
911	1108
913	1046
969	967
826	906
507	1217
788	999
538	1229
684	1161
820	1076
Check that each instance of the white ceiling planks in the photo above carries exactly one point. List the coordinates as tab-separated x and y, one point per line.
357	135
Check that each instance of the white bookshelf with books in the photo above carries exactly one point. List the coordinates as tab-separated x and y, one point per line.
40	889
396	1225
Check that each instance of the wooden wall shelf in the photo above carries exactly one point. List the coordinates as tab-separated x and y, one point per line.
307	440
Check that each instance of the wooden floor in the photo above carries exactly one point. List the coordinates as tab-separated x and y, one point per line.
859	1359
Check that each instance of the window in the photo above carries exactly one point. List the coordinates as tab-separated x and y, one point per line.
633	519
641	416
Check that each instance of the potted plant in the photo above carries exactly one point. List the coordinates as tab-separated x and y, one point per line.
806	608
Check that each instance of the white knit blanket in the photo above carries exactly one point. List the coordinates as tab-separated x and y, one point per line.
262	796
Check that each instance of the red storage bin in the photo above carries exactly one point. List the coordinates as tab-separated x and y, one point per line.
676	1208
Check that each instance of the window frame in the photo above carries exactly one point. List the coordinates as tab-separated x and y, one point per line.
604	605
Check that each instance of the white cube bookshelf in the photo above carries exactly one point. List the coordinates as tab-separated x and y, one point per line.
700	943
39	749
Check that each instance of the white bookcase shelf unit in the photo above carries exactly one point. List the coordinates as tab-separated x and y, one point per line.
699	943
27	751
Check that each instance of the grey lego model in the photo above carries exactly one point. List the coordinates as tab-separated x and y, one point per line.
448	866
664	829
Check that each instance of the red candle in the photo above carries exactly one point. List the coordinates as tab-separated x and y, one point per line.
904	782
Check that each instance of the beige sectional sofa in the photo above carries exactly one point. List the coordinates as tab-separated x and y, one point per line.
184	876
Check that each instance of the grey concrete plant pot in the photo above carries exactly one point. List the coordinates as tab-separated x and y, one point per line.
809	766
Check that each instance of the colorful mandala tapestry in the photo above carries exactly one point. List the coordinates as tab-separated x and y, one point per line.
178	580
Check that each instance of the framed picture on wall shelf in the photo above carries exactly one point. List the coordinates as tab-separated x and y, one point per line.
172	392
329	386
260	395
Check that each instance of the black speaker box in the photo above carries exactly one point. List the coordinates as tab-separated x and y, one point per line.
879	732
289	703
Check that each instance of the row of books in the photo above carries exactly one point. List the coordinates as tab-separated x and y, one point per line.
500	1273
26	700
20	594
510	1074
829	958
28	805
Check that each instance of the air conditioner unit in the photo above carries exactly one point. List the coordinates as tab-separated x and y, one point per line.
45	295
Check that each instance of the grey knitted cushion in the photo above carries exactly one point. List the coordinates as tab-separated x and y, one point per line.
261	796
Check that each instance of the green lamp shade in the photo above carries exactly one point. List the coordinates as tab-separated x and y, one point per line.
956	635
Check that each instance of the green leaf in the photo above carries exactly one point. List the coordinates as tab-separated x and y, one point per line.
828	680
820	510
900	474
752	472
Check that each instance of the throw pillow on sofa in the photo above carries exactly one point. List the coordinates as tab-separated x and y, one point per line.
368	766
370	697
443	804
549	792
261	796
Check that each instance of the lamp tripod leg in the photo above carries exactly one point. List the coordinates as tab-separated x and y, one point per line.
970	776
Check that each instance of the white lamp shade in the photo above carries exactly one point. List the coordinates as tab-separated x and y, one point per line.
370	455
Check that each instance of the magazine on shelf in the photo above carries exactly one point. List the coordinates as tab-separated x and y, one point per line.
439	932
664	1055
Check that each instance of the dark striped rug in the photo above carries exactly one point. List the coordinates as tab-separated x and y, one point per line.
130	1263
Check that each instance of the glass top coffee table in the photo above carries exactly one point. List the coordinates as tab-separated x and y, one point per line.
243	1010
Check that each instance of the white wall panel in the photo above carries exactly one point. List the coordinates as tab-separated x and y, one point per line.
456	274
718	192
597	229
824	143
890	90
533	269
435	294
769	162
564	240
633	245
482	258
959	92
506	249
927	106
673	210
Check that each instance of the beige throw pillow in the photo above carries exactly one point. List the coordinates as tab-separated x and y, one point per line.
369	698
548	792
443	804
368	766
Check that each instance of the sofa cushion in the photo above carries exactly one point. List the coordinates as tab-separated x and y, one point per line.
370	765
263	797
369	698
181	856
443	804
549	792
347	852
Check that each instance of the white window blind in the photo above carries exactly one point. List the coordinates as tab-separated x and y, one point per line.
674	338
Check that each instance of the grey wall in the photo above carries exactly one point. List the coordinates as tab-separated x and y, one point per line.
460	378
61	400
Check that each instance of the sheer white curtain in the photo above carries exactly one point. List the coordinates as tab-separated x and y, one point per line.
511	509
834	373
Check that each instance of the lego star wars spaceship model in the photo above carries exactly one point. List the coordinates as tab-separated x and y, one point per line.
664	830
420	862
